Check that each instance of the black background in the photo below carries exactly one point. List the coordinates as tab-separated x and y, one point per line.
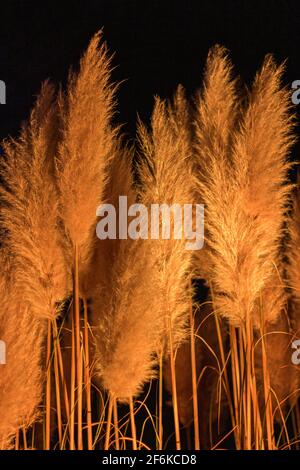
157	45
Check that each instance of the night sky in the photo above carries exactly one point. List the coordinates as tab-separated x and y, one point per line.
157	44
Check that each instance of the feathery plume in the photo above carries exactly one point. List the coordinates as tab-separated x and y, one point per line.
86	147
150	279
120	309
216	113
125	339
293	267
21	376
29	209
243	184
166	177
97	274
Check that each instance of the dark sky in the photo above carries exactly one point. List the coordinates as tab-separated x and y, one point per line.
157	44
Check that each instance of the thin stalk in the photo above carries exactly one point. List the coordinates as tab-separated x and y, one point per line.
248	384
236	386
24	438
243	390
259	442
78	351
194	379
267	397
116	425
17	441
224	372
33	437
174	390
87	378
72	392
132	421
48	388
160	404
108	425
57	385
224	368
61	371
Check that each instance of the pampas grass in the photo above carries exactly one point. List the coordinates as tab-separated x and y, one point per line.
29	210
142	303
21	376
96	279
243	183
225	363
120	310
85	148
293	254
166	177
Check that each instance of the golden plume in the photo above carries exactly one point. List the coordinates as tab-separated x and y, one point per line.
242	182
20	376
29	209
86	148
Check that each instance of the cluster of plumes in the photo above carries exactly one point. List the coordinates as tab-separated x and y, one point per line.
241	153
228	153
53	178
150	278
241	157
34	276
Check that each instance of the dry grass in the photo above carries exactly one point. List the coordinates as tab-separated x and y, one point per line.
29	209
243	184
293	255
85	148
21	378
102	334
